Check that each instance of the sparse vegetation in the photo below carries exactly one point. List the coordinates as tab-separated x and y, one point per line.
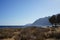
8	32
30	33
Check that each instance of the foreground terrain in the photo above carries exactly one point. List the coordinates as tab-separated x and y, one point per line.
30	33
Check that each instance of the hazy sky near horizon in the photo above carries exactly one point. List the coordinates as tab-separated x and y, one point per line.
21	12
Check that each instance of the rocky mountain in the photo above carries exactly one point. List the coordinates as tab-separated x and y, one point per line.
42	22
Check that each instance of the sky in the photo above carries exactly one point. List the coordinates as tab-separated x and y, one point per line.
21	12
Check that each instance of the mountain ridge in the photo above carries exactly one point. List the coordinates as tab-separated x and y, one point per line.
41	22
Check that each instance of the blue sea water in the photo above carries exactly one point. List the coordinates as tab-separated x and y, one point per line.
11	26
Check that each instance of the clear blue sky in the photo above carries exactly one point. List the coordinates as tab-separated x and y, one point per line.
21	12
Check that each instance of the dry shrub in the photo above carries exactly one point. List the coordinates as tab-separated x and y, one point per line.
32	33
55	35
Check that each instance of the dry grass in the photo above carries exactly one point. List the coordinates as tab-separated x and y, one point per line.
30	33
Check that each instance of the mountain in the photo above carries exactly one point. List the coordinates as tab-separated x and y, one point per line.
28	24
42	22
